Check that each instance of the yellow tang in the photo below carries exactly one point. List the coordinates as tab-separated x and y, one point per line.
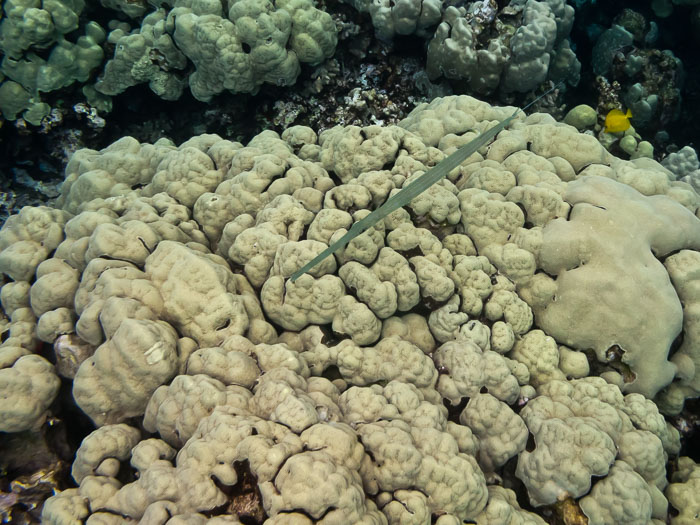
616	121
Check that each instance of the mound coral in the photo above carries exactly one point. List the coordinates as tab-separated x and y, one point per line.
397	380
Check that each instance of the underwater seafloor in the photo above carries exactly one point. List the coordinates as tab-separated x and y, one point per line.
519	344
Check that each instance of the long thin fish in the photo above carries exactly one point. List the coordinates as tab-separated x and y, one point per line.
408	193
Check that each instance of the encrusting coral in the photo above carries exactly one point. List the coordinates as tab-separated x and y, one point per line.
500	294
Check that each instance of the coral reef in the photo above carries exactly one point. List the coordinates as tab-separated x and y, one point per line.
402	380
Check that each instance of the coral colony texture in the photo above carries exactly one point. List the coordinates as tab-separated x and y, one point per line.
519	345
394	381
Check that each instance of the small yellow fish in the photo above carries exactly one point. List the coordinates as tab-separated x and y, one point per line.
616	121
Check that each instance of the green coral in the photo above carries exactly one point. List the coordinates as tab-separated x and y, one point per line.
147	55
236	46
581	117
36	24
13	99
255	42
32	26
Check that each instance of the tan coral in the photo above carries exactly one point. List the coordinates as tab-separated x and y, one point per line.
28	386
611	281
204	299
118	380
